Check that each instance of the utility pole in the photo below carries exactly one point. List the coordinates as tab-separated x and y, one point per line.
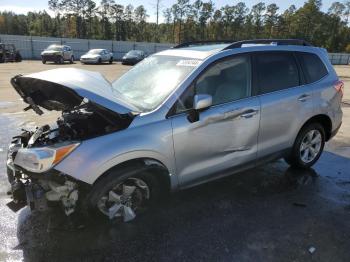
157	21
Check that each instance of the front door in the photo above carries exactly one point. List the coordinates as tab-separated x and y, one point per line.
226	134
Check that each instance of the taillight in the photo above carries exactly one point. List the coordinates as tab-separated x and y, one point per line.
339	86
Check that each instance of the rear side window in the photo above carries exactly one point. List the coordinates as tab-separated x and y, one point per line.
313	67
276	71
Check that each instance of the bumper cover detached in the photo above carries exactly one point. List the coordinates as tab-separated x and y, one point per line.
39	191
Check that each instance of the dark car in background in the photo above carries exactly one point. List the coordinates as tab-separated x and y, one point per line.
133	57
9	53
57	54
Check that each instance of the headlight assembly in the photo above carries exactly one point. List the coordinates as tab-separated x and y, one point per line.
41	159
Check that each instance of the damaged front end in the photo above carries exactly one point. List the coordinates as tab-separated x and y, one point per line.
89	110
33	180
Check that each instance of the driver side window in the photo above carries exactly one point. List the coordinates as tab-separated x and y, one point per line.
226	81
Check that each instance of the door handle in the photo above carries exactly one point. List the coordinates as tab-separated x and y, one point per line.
304	97
249	113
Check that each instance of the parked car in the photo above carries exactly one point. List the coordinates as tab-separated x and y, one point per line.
9	53
133	57
180	118
57	54
97	56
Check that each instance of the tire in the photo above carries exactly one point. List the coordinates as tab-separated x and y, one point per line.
60	60
43	61
99	61
305	153
111	60
71	60
2	59
115	178
18	57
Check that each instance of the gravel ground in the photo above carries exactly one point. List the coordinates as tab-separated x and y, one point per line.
271	213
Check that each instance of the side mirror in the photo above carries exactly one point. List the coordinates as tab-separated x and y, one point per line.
201	102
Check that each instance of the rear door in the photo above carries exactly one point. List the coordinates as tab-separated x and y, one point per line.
226	134
286	101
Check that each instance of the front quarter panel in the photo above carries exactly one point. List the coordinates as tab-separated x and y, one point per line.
95	156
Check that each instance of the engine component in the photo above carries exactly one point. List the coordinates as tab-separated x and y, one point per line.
67	194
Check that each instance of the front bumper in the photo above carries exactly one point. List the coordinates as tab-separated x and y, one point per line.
88	60
129	61
40	191
50	58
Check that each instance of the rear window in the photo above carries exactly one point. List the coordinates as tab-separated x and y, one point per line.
313	67
276	71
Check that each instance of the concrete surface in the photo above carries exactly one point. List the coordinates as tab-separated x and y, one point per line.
271	213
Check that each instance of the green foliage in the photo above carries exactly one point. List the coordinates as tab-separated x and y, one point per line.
186	21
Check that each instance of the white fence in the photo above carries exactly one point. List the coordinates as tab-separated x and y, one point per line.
339	59
30	47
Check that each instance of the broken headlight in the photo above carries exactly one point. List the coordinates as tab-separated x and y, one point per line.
41	159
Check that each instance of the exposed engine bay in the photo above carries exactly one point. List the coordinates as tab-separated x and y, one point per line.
84	122
90	108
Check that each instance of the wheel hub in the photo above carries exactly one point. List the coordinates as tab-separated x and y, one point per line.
310	146
124	199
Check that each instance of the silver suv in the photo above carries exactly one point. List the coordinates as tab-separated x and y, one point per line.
181	117
57	54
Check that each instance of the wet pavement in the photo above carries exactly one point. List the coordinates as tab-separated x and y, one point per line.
271	213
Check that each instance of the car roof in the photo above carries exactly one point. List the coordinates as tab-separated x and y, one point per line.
202	50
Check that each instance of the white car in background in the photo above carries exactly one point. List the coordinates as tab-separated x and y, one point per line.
97	56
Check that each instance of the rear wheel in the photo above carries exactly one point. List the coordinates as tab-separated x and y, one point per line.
111	60
124	194
308	146
43	61
71	60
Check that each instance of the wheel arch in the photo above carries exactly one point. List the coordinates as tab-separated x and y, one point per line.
144	163
324	120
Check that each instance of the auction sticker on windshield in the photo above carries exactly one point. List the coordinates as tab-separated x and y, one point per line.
189	62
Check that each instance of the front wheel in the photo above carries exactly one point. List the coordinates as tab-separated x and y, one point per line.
111	60
124	194
60	60
308	146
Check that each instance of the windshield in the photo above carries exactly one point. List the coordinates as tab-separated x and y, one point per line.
134	52
151	81
54	48
94	51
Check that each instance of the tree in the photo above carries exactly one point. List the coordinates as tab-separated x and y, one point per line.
140	15
271	19
257	17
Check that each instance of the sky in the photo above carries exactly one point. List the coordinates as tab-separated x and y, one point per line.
23	6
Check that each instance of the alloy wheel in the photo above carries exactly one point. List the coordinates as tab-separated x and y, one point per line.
310	146
125	199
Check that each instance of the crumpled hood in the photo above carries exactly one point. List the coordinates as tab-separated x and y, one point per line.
64	88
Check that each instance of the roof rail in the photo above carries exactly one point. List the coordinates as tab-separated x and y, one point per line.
268	41
199	43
